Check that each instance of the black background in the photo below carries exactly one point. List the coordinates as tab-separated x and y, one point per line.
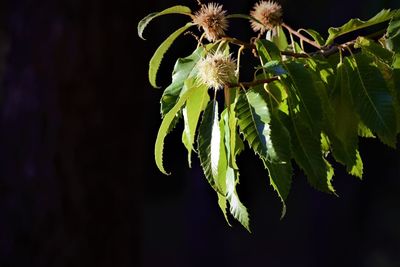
78	183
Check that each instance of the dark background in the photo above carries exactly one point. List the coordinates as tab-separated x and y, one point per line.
78	183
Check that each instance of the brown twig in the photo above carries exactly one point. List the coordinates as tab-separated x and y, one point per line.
301	36
252	46
253	83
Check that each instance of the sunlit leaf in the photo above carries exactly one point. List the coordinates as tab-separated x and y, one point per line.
164	129
184	69
155	61
278	37
237	209
357	24
357	169
195	104
302	86
254	122
172	10
209	146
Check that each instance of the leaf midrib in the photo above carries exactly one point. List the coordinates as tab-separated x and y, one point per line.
369	99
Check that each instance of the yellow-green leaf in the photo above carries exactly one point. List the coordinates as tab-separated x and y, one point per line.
172	10
155	61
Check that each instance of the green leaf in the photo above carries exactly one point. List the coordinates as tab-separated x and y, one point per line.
268	137
393	33
357	24
302	86
357	169
222	168
223	206
308	155
396	61
172	10
345	120
280	177
155	61
164	129
210	148
274	67
195	104
315	35
280	173
231	122
278	37
374	49
237	209
372	98
267	51
254	122
364	131
184	69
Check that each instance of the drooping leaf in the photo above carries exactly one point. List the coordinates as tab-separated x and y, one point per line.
280	173
268	137
357	24
364	131
344	120
183	70
164	129
357	169
308	155
280	176
301	85
172	10
155	61
231	135
237	209
195	104
372	98
254	122
222	168
222	203
209	146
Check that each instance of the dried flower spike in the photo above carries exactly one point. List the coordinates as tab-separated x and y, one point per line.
211	18
268	13
217	70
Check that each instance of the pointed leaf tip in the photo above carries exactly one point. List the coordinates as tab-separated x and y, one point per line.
172	10
155	61
164	130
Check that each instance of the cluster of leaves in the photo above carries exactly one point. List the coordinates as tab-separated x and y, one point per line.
302	107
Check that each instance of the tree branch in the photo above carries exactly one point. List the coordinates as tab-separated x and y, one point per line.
253	83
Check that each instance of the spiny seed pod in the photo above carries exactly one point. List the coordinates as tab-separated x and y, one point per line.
217	70
268	13
211	18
